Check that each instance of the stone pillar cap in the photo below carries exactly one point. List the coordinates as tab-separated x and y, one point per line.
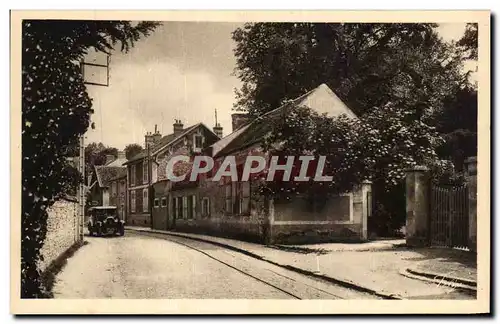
472	159
366	182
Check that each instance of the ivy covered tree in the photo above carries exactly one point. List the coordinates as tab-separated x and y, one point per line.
56	110
379	148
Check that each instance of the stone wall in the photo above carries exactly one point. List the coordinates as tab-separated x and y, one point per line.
339	218
315	232
62	232
342	218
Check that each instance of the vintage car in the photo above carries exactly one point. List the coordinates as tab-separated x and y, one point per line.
104	221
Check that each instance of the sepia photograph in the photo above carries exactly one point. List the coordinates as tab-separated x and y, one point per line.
250	162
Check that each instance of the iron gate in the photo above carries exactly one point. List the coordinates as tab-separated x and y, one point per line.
449	217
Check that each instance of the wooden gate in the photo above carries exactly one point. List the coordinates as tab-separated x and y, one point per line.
449	217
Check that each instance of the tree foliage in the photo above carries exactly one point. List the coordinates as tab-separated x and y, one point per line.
469	41
131	150
406	85
96	154
55	111
367	65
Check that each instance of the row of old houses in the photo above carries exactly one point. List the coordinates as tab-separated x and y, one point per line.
145	197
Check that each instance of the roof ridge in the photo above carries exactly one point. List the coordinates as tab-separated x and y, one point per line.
291	103
185	131
268	113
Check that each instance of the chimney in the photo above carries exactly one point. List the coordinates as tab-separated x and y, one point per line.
239	120
121	154
217	128
148	139
178	127
156	135
109	158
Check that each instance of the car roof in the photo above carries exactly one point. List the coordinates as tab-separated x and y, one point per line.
103	207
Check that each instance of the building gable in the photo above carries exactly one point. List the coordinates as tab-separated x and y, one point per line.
321	100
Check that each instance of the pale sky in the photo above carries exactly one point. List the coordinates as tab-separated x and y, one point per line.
183	70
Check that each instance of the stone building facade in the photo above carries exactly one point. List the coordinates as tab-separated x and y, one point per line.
118	195
148	168
234	209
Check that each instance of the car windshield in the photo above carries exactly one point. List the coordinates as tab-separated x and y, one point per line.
101	214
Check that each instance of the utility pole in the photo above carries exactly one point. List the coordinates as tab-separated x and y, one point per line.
82	192
82	189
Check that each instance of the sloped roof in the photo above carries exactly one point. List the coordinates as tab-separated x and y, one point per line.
321	99
120	175
219	145
106	173
324	101
117	162
164	141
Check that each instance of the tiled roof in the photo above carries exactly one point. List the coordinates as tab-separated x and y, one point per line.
120	175
117	163
321	99
105	174
162	142
219	145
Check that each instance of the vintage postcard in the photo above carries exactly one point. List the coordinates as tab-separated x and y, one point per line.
231	162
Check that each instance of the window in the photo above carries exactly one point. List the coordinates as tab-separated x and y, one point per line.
245	198
164	201
154	172
132	175
180	207
198	141
238	198
175	207
145	204
184	206
113	189
229	202
156	203
205	207
191	212
132	201
145	171
122	188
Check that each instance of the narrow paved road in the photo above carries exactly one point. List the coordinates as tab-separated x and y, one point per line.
160	266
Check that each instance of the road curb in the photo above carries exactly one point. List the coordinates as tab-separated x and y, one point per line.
467	283
439	276
343	283
438	280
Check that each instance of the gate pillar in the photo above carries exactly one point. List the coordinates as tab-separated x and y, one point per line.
417	206
471	177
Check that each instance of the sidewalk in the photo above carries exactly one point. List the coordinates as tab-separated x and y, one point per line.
458	268
373	267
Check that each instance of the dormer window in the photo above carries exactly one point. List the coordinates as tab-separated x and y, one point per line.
198	141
